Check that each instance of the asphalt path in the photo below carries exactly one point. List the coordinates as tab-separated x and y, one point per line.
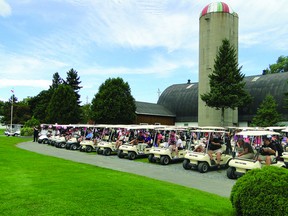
214	181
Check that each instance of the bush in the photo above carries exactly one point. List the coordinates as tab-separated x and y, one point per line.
26	131
261	192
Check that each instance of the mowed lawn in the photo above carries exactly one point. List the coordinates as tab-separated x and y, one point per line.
33	184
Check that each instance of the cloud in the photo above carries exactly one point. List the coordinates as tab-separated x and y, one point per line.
5	9
24	83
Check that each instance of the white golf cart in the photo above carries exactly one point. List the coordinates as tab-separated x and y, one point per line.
107	146
200	160
163	153
239	166
132	151
13	130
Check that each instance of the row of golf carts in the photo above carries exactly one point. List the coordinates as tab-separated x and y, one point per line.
107	137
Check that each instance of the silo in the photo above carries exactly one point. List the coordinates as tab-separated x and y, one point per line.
217	21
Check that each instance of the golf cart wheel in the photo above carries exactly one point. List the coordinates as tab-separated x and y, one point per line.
120	154
164	160
151	158
73	147
39	141
62	145
186	165
107	152
231	173
131	155
89	148
99	151
203	167
45	141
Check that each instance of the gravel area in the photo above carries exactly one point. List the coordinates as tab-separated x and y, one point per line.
213	181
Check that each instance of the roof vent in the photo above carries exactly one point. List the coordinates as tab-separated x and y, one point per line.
255	79
189	81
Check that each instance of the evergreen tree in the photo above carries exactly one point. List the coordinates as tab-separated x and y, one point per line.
114	104
226	82
267	114
39	104
56	81
73	80
63	107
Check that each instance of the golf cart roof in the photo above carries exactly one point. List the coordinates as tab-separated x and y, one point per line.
257	133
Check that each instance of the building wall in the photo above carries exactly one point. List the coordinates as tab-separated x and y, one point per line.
214	28
150	119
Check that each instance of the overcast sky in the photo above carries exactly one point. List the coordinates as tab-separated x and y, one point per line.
151	44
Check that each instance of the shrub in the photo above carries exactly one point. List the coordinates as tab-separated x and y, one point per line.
26	131
261	192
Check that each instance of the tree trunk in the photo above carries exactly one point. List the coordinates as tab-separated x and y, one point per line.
222	117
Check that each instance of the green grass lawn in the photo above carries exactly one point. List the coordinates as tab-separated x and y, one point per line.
33	184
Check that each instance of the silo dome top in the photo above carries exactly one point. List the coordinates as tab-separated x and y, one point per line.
217	7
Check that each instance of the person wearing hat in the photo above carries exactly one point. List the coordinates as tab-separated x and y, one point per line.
267	151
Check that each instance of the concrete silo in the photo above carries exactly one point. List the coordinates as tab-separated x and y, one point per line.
217	21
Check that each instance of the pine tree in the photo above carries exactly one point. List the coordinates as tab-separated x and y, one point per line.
56	81
63	107
73	80
226	82
267	114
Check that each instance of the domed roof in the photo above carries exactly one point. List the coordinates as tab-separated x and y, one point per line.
217	7
182	99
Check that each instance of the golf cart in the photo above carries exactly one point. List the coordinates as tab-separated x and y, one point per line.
13	130
60	142
285	158
164	155
72	143
239	166
136	149
200	160
88	145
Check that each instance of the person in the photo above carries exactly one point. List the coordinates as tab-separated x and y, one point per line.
172	142
159	138
148	139
267	151
246	150
214	146
35	134
279	148
140	139
89	135
120	139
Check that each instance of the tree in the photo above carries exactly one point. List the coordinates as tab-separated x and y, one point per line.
63	107
56	81
226	82
114	104
39	104
279	67
74	81
267	114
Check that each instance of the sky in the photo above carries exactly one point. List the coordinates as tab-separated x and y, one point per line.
151	44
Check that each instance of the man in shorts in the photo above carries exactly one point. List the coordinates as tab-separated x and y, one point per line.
214	146
267	152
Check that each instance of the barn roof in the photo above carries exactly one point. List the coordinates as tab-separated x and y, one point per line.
145	108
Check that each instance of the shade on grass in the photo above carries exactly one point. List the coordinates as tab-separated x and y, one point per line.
33	184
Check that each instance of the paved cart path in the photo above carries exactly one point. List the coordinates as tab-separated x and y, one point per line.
213	181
